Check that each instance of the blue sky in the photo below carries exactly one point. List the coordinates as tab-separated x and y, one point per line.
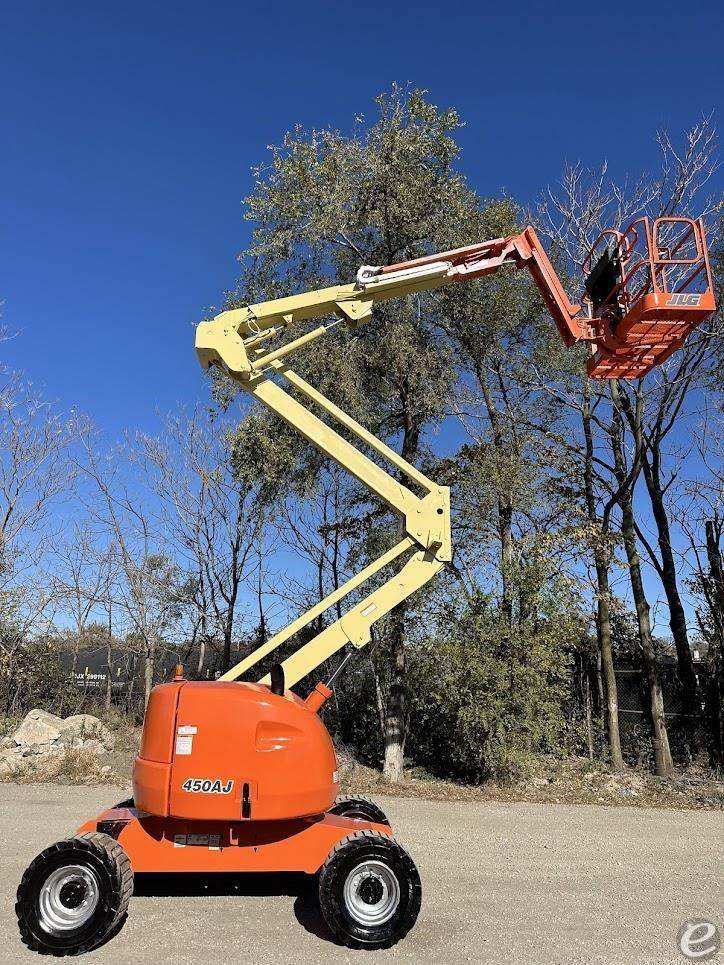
129	131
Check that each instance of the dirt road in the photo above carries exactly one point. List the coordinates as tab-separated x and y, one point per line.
523	884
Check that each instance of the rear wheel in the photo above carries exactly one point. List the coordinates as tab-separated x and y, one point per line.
74	895
359	807
369	891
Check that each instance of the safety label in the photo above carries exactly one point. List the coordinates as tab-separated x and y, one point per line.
184	744
210	841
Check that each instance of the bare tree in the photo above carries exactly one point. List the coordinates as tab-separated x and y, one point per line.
35	468
107	560
77	578
212	518
699	512
148	590
36	473
572	217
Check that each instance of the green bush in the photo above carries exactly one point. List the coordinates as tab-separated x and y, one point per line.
486	699
32	676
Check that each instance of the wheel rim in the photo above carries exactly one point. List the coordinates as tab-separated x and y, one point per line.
371	893
68	898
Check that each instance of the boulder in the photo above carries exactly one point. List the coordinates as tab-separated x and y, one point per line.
38	728
82	729
41	735
93	747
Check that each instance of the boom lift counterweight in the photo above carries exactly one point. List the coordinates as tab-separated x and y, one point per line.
237	777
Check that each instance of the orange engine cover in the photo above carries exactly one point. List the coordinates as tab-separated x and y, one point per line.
231	752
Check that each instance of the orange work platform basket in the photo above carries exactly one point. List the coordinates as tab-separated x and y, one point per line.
648	287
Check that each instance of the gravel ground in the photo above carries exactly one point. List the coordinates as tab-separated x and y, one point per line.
525	884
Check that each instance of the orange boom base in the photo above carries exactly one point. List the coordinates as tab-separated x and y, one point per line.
174	844
230	777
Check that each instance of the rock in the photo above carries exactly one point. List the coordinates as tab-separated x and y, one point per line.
7	765
81	729
93	747
42	735
38	727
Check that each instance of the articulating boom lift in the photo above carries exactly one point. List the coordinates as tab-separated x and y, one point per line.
239	777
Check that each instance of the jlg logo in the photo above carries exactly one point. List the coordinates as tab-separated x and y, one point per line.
197	785
683	299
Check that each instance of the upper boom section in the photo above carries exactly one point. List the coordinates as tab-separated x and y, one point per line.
657	282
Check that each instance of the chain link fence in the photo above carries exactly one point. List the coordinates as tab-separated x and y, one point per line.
689	729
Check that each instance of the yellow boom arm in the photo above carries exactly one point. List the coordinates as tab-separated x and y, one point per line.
235	340
238	341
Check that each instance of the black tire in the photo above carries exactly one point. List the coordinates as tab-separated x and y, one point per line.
369	891
359	807
103	879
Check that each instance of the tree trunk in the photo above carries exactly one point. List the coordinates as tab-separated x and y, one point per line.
587	705
131	668
148	668
393	768
504	503
226	653
603	596
716	606
505	527
504	510
109	674
600	694
677	617
109	659
395	722
603	629
663	764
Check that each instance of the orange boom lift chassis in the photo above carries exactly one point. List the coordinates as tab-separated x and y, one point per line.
242	777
